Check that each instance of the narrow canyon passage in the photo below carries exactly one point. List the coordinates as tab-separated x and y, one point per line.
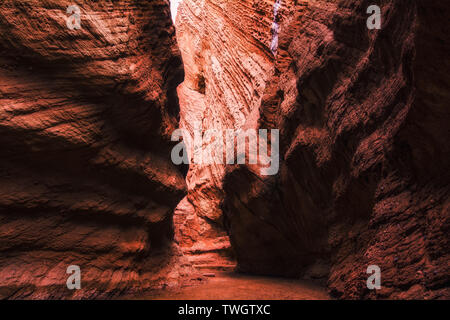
315	72
316	136
223	85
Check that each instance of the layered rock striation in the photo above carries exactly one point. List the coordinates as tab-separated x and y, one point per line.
87	114
363	122
224	45
85	174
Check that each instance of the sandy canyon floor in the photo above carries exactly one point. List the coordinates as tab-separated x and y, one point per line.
234	286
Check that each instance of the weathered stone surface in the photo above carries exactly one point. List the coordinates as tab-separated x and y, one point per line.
85	123
205	245
86	117
364	176
363	118
226	67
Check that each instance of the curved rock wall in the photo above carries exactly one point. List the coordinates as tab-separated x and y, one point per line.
85	122
225	50
363	126
363	121
85	174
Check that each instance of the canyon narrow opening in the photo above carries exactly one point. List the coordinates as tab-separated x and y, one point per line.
226	71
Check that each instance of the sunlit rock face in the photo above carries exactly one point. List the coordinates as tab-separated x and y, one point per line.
85	174
225	47
363	122
86	117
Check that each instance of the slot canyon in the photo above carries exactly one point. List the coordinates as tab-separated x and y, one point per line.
87	116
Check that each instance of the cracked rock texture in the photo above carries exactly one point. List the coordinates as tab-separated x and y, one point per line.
85	173
364	155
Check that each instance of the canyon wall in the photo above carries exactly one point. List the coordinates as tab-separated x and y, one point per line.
86	117
227	63
363	120
85	174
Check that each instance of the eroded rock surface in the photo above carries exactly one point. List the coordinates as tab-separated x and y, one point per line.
85	173
224	45
86	117
363	118
364	175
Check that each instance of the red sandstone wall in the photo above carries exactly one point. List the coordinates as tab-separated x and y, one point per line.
363	121
85	172
226	66
364	179
85	123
